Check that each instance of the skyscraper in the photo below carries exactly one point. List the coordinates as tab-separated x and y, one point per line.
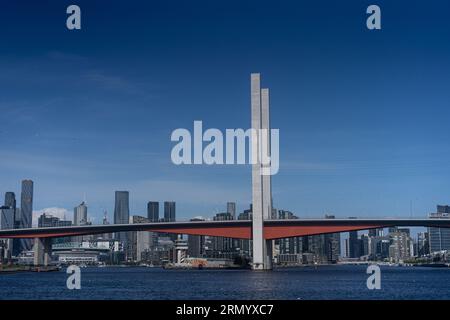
80	215
170	216
122	216
169	211
26	211
10	200
196	244
153	211
7	217
26	203
332	244
122	208
231	209
439	237
354	245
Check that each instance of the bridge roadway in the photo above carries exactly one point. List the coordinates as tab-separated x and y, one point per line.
240	229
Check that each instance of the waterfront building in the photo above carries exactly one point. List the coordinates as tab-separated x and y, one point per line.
222	247
49	221
423	247
153	211
196	244
26	212
231	209
169	211
122	216
354	245
140	241
439	238
80	217
400	249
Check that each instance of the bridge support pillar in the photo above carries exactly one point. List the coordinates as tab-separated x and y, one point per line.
42	251
261	179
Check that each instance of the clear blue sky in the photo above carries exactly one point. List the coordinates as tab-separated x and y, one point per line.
363	115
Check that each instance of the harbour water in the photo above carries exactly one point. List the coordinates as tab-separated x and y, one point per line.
306	283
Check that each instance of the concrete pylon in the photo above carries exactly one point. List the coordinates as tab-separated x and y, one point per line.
261	184
42	251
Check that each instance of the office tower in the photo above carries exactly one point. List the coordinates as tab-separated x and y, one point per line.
261	184
439	238
49	221
443	209
8	211
222	247
26	212
364	245
153	211
231	209
140	241
6	218
7	221
354	245
399	250
332	244
27	203
423	247
289	245
122	216
169	211
10	200
196	244
376	232
80	215
122	208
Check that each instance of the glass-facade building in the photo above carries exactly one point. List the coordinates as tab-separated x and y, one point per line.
439	238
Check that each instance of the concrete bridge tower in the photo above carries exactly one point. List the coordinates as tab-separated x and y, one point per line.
261	184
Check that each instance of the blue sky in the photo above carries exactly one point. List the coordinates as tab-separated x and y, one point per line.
363	115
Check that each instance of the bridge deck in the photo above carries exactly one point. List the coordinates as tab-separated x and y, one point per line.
273	229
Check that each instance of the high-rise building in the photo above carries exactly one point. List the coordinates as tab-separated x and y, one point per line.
140	241
49	221
153	211
423	247
80	217
6	218
122	216
332	244
10	200
376	232
289	246
7	221
26	203
8	211
400	249
196	244
443	209
223	247
169	211
439	238
354	245
26	212
122	207
231	209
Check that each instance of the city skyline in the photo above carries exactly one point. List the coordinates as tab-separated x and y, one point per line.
358	122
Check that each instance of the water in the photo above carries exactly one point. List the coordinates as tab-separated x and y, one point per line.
309	283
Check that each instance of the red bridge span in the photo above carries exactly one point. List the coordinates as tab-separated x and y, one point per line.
240	229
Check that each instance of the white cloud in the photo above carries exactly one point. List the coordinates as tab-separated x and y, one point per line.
56	212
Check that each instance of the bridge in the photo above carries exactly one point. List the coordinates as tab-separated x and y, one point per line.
261	229
239	229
